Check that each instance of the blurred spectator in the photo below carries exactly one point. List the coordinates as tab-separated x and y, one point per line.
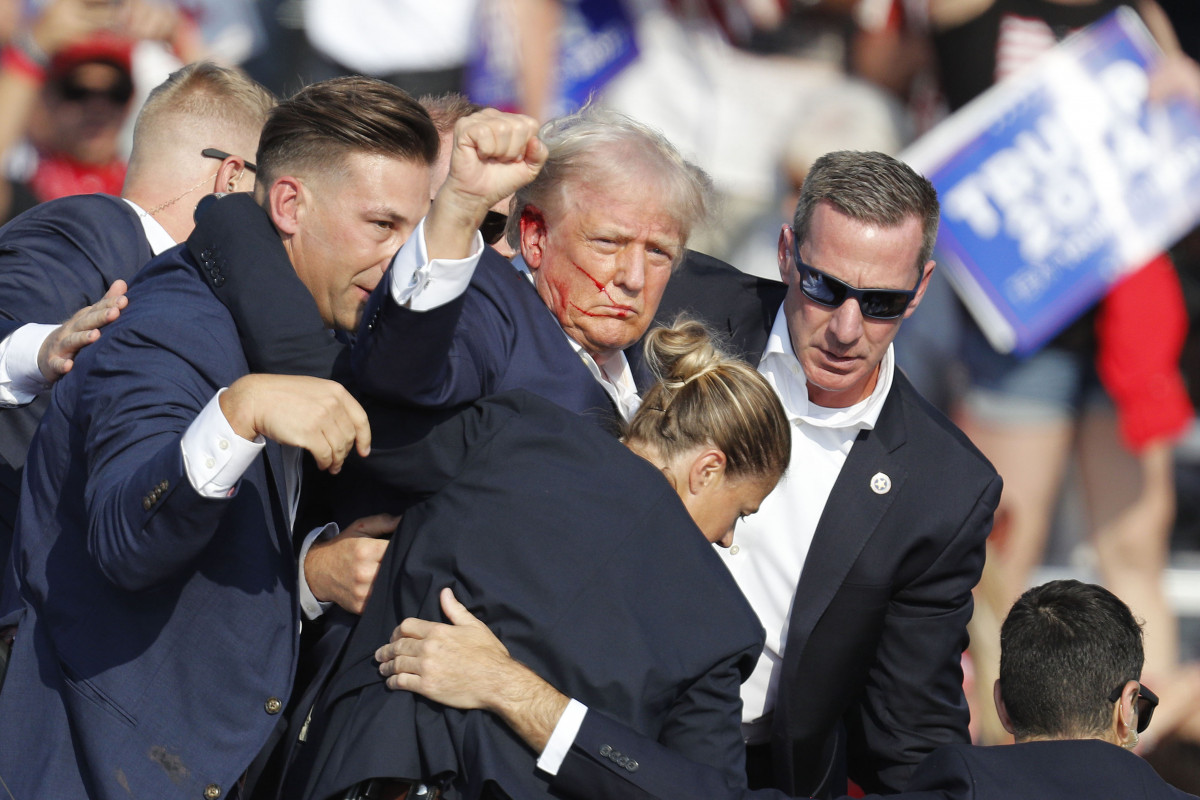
848	116
65	83
76	126
1028	415
415	44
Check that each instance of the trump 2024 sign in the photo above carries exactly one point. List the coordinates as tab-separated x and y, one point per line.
1059	180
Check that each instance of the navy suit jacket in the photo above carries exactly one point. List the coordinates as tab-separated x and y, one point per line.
582	559
157	627
1086	769
871	678
55	259
496	336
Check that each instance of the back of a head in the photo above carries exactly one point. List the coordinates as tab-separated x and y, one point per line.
704	397
197	106
1064	647
596	147
320	125
873	188
447	109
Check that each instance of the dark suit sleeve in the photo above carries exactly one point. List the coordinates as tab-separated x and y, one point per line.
944	774
146	521
705	723
440	358
240	255
610	761
913	700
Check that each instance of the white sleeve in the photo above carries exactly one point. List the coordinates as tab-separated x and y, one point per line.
309	604
21	380
420	284
563	737
213	455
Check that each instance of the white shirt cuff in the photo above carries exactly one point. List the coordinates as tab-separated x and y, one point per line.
21	380
213	455
563	737
422	285
309	604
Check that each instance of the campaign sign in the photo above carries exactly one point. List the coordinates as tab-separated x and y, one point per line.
595	42
1059	180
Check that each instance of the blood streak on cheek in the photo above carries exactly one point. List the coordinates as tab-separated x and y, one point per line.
560	295
599	285
622	311
587	313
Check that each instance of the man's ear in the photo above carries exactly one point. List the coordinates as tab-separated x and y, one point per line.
533	236
921	287
1125	715
708	467
285	204
231	176
1001	709
784	254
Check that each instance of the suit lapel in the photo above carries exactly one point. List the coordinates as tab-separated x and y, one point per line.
852	513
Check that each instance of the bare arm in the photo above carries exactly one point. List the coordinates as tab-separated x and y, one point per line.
465	666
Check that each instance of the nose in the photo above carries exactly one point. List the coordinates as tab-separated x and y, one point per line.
727	540
631	270
846	324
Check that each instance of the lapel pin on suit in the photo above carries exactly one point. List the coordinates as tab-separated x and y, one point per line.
880	483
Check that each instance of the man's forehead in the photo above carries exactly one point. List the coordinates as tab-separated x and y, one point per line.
619	207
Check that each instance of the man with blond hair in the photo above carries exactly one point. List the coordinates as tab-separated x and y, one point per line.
196	134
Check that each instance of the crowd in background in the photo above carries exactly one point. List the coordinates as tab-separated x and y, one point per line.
754	91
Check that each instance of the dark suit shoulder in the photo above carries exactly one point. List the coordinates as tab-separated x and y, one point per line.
925	420
64	254
739	306
1079	769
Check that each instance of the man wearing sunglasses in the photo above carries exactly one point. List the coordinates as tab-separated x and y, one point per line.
860	564
1069	692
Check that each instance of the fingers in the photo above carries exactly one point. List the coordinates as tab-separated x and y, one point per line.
118	289
455	611
495	135
317	415
376	525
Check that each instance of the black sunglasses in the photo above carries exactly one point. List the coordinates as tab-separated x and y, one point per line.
492	227
1147	701
221	155
118	94
826	290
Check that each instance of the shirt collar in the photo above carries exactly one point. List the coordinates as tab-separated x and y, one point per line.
782	369
160	241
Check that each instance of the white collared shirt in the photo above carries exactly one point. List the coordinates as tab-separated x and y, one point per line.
770	547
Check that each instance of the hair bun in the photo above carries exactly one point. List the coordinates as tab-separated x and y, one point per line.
683	352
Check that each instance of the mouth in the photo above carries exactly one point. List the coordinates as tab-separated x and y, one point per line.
838	360
614	311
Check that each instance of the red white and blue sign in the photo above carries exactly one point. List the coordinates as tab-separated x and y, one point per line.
1059	180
